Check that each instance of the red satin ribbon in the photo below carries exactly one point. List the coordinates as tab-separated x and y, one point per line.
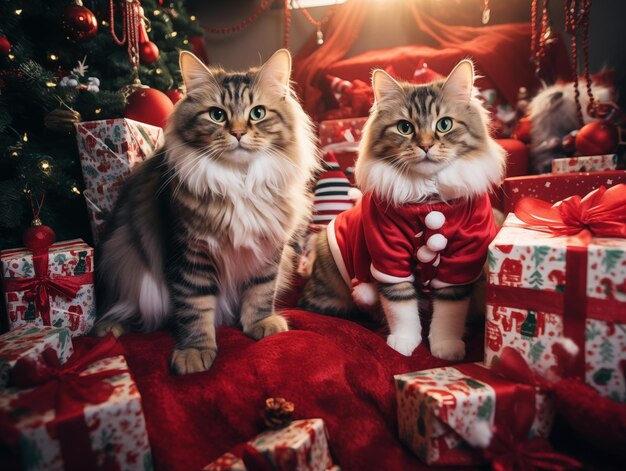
600	213
42	285
252	458
66	389
510	449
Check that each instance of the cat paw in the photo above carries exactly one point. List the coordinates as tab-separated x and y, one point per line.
103	328
268	326
451	350
192	360
403	345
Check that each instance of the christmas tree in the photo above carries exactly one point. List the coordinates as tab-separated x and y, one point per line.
60	64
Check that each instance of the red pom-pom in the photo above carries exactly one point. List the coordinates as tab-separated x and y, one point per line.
174	95
5	46
39	237
79	23
148	52
149	106
522	130
597	138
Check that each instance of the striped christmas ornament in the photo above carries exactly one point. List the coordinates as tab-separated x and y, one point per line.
331	192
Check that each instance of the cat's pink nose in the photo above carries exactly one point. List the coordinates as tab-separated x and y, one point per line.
424	148
238	133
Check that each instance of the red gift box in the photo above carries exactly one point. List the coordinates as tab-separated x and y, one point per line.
555	187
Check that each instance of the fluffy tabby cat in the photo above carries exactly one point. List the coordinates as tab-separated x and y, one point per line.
199	237
426	163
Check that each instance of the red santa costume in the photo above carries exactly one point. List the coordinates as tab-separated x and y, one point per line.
433	244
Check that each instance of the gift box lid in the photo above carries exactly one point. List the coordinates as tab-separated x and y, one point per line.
59	247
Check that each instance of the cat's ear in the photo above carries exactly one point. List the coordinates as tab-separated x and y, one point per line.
277	70
384	84
193	70
460	82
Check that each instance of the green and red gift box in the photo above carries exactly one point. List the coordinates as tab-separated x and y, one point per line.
84	414
108	151
52	287
300	446
560	271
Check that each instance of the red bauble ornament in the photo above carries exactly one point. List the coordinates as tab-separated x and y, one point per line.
522	130
148	52
175	95
79	22
5	46
149	106
597	138
38	237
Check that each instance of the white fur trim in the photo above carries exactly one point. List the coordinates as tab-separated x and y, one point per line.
336	252
437	242
480	434
355	194
384	278
365	295
425	255
569	346
435	220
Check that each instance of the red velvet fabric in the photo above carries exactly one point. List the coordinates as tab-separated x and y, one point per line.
331	368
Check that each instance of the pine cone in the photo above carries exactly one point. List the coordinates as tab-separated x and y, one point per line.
278	412
61	120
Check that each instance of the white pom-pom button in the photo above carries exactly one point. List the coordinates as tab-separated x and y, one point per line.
435	220
425	255
437	242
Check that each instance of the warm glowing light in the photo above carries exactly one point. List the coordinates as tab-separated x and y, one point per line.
15	154
18	11
174	34
75	190
105	23
11	56
25	137
186	41
51	84
156	12
54	57
98	110
158	71
192	17
45	166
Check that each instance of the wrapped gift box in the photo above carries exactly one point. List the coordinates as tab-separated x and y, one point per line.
442	412
28	342
106	435
301	446
588	163
334	131
108	150
67	269
555	187
527	303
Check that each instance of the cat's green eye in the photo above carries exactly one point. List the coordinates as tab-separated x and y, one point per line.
217	114
257	113
404	127
444	125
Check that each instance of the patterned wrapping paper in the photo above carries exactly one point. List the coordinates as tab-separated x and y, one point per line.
28	342
301	446
108	150
588	163
555	187
68	259
117	429
522	259
440	412
334	131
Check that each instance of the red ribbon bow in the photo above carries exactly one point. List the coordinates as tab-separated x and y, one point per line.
42	285
510	449
601	213
66	389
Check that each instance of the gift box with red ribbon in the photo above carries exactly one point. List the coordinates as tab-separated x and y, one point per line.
53	287
29	342
83	415
300	446
587	163
560	271
467	414
555	187
108	151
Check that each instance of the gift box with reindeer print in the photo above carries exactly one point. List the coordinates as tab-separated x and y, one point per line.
544	286
54	288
